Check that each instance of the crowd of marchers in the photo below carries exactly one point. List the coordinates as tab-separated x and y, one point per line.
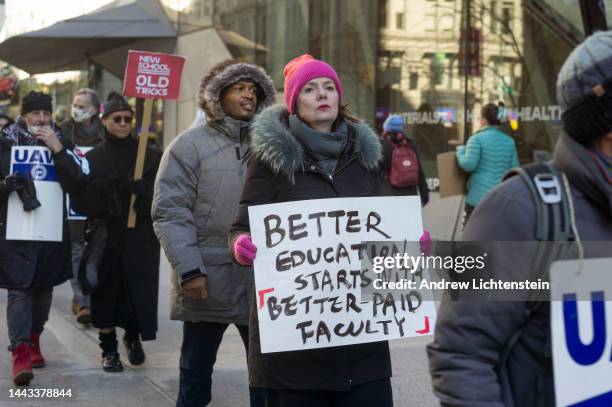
193	198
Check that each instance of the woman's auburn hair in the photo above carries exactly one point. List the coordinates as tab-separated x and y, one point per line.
346	115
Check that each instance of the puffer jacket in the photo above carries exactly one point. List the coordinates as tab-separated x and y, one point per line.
488	155
281	171
196	196
470	336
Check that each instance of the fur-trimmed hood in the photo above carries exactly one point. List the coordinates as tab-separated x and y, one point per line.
224	74
274	144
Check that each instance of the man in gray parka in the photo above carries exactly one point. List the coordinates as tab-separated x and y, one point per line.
196	196
471	338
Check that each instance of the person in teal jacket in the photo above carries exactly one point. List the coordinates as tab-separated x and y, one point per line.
489	154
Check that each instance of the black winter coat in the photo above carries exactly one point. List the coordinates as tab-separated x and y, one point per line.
28	264
275	175
129	269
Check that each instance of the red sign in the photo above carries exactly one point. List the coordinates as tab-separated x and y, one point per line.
151	75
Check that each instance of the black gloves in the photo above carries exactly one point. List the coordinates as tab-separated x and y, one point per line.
140	188
137	187
25	189
12	183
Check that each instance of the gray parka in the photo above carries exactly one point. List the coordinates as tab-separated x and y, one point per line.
196	197
470	336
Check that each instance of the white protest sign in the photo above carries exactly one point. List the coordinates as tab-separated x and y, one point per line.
46	222
582	332
71	214
309	273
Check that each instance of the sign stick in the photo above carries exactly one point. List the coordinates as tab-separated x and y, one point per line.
140	157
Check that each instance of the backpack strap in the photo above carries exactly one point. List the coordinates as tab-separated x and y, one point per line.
553	223
553	218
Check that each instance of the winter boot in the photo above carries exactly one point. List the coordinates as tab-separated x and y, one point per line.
38	359
110	356
111	362
22	365
136	354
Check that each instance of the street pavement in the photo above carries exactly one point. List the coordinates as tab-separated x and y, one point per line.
73	362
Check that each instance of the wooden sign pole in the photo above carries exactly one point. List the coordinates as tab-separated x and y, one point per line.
143	138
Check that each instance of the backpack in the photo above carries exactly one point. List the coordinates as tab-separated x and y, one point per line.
553	223
404	166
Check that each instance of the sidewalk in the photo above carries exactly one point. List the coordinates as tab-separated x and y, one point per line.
73	355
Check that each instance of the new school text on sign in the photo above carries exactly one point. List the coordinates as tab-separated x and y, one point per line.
151	75
46	222
309	272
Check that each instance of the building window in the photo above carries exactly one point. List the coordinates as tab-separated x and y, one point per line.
414	81
506	18
493	12
382	13
399	21
447	22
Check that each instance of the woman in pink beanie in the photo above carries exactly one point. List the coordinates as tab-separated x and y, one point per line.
311	149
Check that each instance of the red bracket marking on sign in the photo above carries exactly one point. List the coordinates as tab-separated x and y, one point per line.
261	296
426	329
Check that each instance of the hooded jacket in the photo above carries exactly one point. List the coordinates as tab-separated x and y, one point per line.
196	196
282	170
470	336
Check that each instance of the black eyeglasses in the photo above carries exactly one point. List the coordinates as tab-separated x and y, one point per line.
124	119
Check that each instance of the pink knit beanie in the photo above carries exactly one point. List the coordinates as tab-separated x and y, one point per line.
299	71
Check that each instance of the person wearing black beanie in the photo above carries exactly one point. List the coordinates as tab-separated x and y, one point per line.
127	297
115	103
30	269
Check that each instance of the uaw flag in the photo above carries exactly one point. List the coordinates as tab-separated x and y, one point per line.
46	222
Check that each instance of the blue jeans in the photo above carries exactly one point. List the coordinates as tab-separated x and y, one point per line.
201	342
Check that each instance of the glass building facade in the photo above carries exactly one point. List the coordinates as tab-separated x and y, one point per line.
436	62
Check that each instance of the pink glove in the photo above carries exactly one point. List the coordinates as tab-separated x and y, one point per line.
244	250
426	243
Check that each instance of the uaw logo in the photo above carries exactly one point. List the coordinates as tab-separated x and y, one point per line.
38	172
35	161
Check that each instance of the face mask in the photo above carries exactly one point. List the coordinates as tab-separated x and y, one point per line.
34	129
80	115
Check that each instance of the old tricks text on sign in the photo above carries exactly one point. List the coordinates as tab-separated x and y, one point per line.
151	75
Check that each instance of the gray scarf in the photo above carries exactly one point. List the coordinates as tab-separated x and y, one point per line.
325	147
